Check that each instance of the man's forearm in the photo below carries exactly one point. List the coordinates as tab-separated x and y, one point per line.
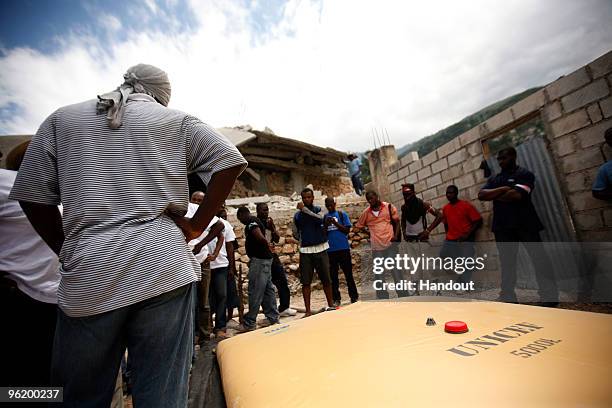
47	222
510	196
218	189
492	194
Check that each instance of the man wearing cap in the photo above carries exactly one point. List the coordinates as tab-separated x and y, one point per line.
118	164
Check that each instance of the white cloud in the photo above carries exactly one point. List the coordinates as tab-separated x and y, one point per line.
327	74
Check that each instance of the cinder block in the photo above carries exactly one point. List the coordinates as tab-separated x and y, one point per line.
448	148
394	167
602	65
465	181
585	201
577	182
567	84
583	96
393	177
553	111
457	157
471	164
441	189
606	107
452	173
503	118
569	123
434	180
438	203
475	149
589	220
412	178
531	103
429	158
470	136
564	145
415	166
594	113
409	158
404	172
439	165
593	135
582	159
429	194
424	173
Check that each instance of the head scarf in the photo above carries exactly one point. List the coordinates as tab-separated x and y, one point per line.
141	78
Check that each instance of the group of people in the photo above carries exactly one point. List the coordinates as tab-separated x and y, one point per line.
103	253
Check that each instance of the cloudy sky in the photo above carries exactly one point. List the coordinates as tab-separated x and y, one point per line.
325	72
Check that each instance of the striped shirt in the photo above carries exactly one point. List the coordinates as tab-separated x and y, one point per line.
114	185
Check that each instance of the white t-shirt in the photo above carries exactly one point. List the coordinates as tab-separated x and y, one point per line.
23	254
228	234
204	252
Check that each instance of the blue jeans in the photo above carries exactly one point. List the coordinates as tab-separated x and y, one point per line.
158	334
456	249
261	292
218	296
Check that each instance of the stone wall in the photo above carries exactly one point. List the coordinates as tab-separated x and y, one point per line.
576	110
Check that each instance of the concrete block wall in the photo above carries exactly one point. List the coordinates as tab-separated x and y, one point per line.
576	110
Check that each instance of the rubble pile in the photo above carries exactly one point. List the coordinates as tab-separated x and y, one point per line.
282	210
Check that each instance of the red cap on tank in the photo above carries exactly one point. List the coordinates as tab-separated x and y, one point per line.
455	327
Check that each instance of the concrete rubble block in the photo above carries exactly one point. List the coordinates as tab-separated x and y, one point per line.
415	166
285	259
429	158
594	113
458	157
593	135
503	118
606	107
585	201
589	220
469	137
244	259
237	202
439	165
434	180
553	111
294	268
424	173
448	148
570	123
567	84
529	104
590	93
288	249
601	66
582	160
564	145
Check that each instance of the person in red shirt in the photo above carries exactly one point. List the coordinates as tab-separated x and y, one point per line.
461	220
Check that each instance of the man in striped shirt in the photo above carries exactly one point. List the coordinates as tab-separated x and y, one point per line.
119	166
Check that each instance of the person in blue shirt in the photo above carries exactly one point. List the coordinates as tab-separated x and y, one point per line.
338	226
308	226
354	169
602	187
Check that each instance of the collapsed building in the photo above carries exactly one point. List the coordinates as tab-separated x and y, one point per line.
282	166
